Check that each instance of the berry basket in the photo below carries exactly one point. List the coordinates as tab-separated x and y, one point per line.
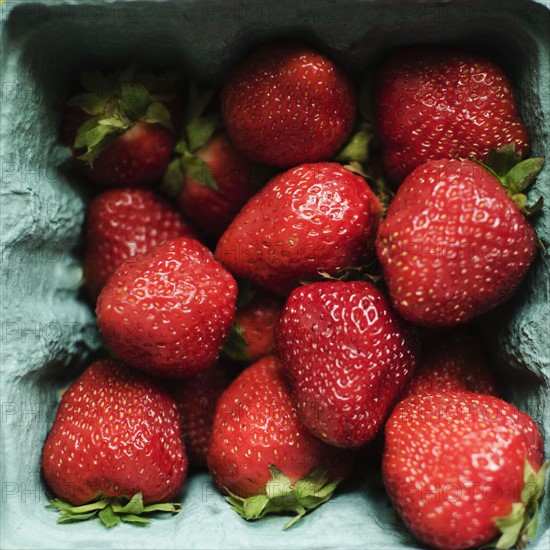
48	329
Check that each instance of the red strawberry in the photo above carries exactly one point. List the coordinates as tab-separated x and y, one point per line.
287	104
169	310
348	356
209	177
121	128
462	467
122	223
434	102
212	207
115	437
451	362
453	244
312	218
260	453
196	398
253	334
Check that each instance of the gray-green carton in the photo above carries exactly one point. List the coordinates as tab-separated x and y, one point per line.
49	332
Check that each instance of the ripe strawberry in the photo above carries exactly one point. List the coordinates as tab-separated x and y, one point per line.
434	102
453	244
169	310
121	128
209	177
122	223
262	456
115	437
312	218
348	356
253	334
212	206
287	104
451	362
461	467
196	398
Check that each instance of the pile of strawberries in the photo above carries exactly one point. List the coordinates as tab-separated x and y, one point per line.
278	279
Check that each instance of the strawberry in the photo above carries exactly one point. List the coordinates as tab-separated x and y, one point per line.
115	438
451	362
435	102
168	311
212	208
312	218
260	454
122	223
348	356
196	398
454	244
462	468
209	178
287	104
121	127
253	334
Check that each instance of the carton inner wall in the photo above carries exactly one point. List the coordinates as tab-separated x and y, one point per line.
48	330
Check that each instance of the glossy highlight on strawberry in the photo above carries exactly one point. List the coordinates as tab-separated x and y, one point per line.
287	104
453	244
438	102
311	218
116	433
348	356
170	310
455	465
124	222
258	440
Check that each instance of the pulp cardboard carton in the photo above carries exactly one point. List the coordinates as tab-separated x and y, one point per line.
48	330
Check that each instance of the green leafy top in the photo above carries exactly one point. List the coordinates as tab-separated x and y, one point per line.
283	496
360	153
116	102
199	127
236	346
111	511
514	174
519	526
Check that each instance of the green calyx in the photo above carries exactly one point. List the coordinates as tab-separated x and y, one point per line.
236	347
356	149
116	102
370	273
519	526
515	175
199	127
112	511
283	496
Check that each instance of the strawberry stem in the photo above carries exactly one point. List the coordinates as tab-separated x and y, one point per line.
519	526
116	102
111	511
356	149
283	496
236	347
514	174
198	130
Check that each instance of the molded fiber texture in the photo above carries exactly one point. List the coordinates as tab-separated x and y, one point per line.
48	330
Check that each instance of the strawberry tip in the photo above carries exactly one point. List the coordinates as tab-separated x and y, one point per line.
112	511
